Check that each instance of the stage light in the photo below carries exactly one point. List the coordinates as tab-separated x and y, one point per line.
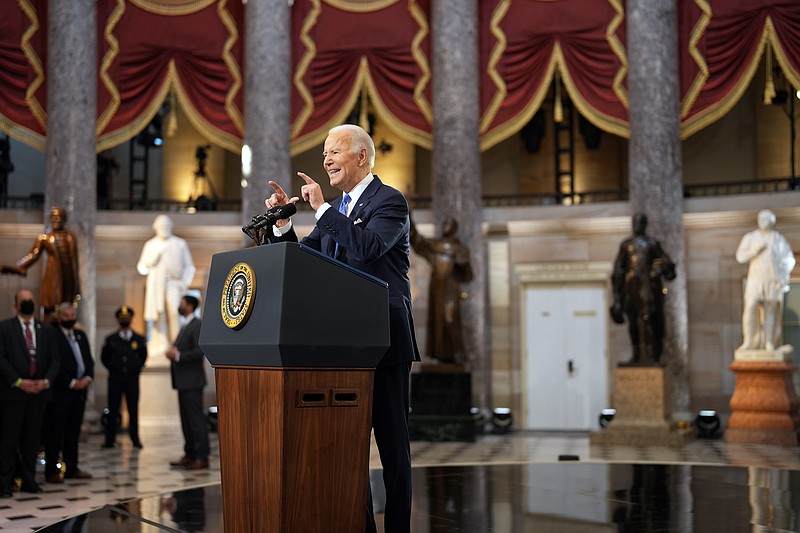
213	420
502	419
105	419
707	424
606	416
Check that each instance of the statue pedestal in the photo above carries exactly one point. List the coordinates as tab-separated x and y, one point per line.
441	399
764	403
644	411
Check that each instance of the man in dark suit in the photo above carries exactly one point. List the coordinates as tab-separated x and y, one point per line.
124	355
189	378
368	228
29	363
65	409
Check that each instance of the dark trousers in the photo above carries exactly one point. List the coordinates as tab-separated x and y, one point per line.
62	430
117	387
390	404
194	424
21	437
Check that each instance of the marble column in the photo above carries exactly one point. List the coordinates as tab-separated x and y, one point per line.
655	166
267	96
457	164
71	164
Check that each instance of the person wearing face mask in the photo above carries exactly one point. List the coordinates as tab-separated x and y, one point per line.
124	355
65	410
189	379
29	363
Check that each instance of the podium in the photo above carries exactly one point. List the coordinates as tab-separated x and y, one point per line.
293	337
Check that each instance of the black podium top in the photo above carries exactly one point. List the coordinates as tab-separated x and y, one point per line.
307	310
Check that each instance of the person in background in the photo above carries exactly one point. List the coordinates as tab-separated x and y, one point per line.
29	363
189	379
65	409
124	355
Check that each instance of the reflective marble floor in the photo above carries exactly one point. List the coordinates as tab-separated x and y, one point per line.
517	482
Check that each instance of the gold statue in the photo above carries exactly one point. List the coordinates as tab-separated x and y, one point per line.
60	282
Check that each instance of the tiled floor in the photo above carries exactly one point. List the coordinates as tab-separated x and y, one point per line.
124	473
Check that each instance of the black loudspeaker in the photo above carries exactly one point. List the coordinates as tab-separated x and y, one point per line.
533	132
591	133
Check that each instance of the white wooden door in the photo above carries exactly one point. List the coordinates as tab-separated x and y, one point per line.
566	379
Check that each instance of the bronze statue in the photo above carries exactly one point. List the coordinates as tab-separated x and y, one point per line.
60	282
450	266
639	293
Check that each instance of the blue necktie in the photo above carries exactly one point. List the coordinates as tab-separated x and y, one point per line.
342	210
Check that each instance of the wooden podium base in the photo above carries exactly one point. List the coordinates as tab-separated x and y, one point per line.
764	404
294	448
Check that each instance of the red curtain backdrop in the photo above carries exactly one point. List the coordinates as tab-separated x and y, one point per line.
338	54
378	53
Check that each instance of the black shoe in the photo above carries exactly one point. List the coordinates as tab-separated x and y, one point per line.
107	444
33	489
138	444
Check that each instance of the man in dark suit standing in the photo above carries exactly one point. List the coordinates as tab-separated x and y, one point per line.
124	355
368	228
189	378
65	410
29	363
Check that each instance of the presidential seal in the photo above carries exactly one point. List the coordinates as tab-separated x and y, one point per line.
238	296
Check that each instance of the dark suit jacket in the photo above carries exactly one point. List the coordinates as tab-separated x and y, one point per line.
188	372
14	361
124	359
375	240
69	367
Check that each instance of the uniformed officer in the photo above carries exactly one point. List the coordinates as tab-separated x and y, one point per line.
124	354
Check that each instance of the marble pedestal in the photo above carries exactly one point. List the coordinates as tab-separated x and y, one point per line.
764	403
644	411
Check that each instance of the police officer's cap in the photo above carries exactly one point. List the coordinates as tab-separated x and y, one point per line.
124	311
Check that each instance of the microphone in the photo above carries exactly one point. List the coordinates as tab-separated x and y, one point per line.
273	214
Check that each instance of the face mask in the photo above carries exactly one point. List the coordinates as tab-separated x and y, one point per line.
67	324
26	307
124	323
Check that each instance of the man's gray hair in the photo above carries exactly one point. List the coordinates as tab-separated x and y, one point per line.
359	138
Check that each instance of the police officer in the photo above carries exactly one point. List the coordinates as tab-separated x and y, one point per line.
124	354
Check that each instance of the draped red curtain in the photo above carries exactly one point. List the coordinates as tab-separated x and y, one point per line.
338	53
378	54
144	53
523	44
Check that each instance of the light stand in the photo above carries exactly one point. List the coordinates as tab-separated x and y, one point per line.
197	200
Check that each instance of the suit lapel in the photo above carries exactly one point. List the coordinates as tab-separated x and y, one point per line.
365	198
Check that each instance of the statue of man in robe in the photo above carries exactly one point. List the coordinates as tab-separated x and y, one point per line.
61	280
450	267
771	262
168	265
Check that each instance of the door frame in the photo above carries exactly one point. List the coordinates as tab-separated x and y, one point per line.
550	275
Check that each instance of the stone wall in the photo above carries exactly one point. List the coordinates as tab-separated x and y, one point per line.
518	238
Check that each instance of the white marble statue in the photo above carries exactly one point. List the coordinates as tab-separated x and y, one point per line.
168	265
771	261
